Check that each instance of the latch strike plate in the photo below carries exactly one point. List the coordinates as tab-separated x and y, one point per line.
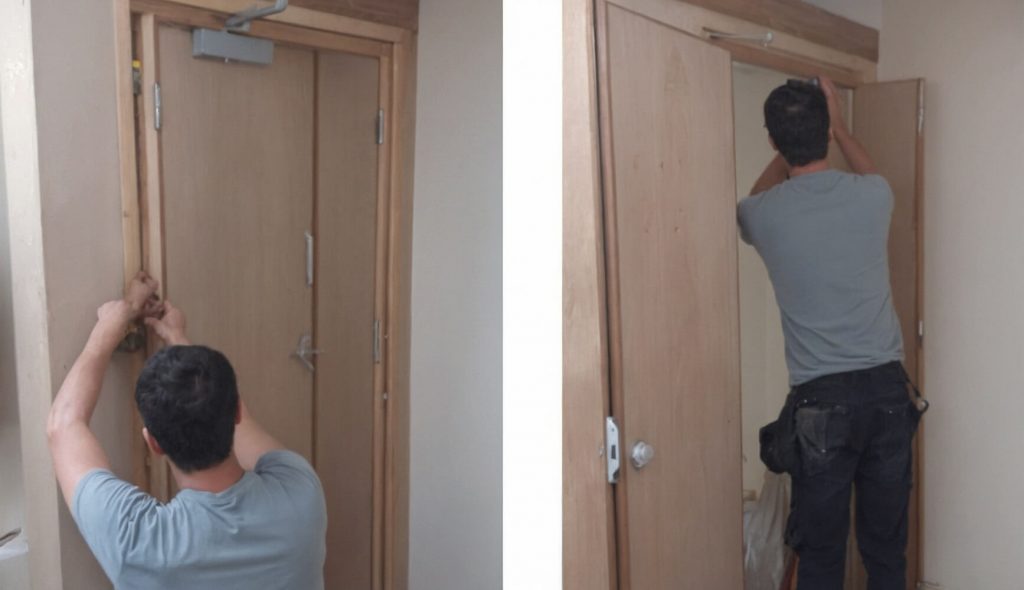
612	454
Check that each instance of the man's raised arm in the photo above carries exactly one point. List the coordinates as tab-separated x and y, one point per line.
73	446
856	156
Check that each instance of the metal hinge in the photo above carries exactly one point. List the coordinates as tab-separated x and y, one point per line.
920	330
384	396
309	259
136	77
380	127
157	106
376	342
612	455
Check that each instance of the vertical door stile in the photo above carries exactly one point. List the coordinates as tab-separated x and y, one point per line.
380	406
348	407
620	522
151	185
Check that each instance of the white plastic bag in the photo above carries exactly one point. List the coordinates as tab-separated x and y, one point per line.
764	526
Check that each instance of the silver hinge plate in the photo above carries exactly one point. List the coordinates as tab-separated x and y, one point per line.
309	259
612	455
376	342
380	127
157	106
920	330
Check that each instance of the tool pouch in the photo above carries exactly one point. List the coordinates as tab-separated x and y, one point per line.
780	450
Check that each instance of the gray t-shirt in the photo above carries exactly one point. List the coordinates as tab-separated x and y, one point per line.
824	240
266	531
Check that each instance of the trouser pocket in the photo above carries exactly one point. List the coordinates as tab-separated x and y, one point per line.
823	431
889	455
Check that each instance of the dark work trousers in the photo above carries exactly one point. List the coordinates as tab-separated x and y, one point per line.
854	430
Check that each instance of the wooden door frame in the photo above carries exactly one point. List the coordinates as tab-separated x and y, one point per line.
796	49
141	188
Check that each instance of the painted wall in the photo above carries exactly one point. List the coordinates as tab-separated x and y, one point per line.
65	247
970	55
455	505
14	570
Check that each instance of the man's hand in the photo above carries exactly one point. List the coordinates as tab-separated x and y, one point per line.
114	317
141	293
170	326
835	105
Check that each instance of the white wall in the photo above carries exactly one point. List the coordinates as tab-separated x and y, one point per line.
455	504
970	54
13	571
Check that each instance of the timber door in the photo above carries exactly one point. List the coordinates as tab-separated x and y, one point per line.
670	222
236	147
266	225
888	119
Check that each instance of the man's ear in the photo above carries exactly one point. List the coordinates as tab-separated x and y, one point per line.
771	142
238	414
831	136
151	442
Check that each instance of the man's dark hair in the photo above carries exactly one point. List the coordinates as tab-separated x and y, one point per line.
188	399
796	115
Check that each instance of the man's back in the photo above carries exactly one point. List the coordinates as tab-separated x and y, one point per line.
823	238
266	531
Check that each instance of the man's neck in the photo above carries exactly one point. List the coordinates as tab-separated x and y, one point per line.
815	166
215	479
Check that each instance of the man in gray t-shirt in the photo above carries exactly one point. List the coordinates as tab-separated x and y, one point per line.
823	236
250	514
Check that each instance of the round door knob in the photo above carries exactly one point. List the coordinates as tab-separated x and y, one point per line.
641	455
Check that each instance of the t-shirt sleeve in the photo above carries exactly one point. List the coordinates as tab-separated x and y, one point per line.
106	510
879	187
745	217
288	467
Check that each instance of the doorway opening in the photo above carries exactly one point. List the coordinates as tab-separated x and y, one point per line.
266	208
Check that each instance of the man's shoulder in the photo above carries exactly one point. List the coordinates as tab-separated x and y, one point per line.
875	183
289	468
282	458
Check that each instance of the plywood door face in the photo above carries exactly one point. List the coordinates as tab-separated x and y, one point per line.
254	159
673	302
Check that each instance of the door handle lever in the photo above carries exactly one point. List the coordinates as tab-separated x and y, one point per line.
305	352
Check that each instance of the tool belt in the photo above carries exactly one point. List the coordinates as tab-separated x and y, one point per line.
780	449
